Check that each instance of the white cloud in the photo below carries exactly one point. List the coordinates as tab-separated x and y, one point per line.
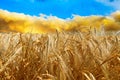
113	3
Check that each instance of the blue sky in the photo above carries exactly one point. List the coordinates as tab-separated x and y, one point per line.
61	8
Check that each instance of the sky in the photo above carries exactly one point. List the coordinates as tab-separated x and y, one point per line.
61	8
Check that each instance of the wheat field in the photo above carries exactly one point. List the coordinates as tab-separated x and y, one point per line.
60	56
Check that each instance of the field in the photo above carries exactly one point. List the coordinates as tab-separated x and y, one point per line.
60	56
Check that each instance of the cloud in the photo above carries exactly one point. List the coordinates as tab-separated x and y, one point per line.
113	3
26	23
18	22
116	15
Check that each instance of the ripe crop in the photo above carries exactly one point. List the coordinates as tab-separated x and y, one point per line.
59	56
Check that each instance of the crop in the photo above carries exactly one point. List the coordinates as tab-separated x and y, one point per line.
60	56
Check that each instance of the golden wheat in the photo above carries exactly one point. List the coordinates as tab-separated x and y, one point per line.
59	56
